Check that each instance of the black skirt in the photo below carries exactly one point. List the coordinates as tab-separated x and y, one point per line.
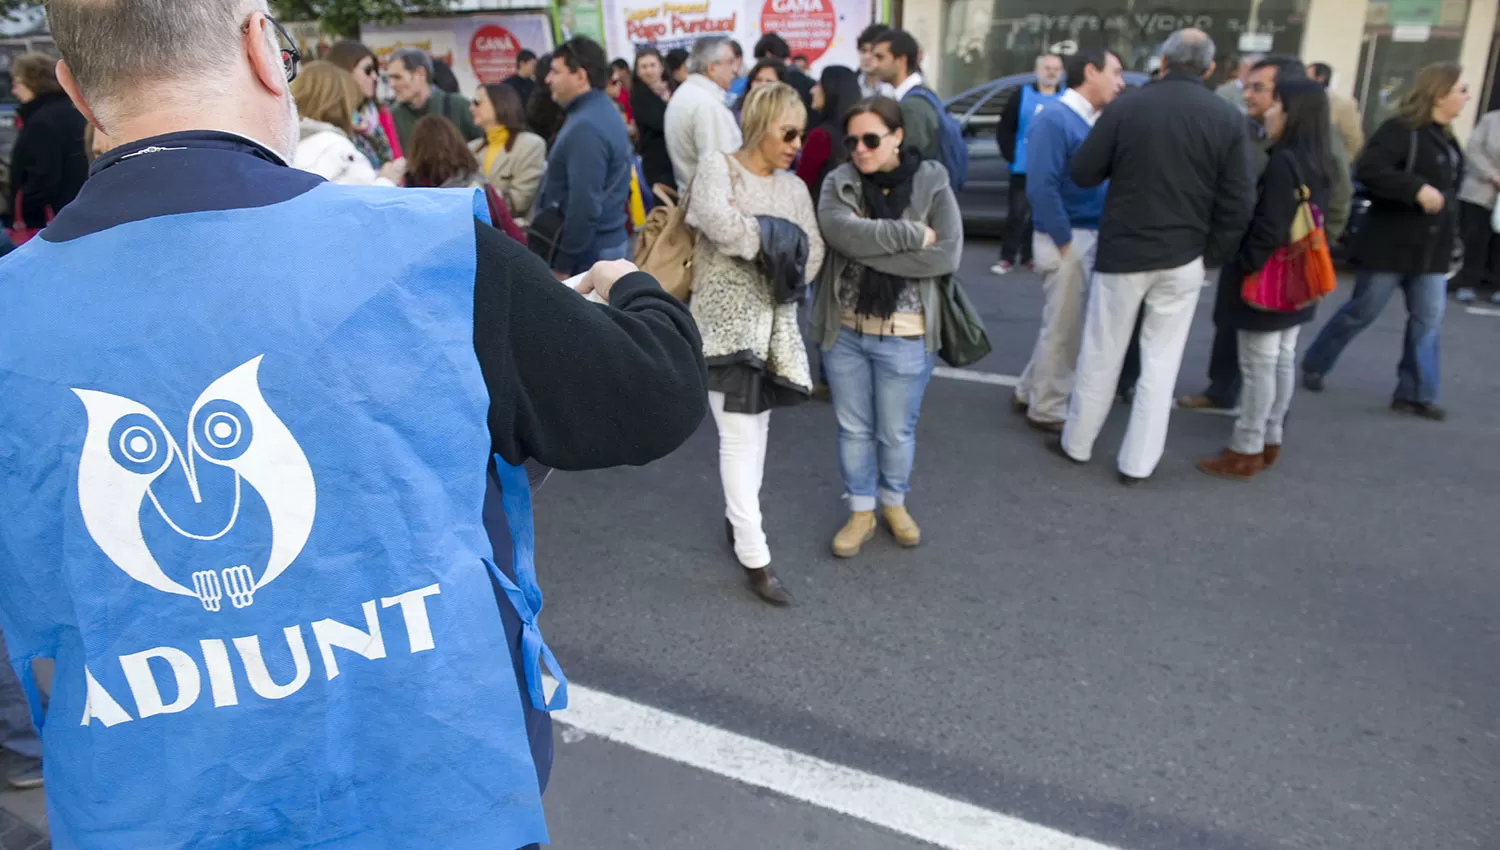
748	387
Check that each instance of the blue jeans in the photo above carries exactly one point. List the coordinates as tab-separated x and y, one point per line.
615	252
16	733
877	385
1426	296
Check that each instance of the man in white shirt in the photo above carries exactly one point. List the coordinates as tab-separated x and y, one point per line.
698	123
896	56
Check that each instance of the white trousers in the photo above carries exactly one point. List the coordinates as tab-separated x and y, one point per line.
1168	298
1048	378
743	438
1268	376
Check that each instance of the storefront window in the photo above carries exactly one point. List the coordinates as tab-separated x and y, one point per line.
1402	37
985	39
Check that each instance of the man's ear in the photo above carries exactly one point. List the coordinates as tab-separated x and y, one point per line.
70	85
1209	74
265	61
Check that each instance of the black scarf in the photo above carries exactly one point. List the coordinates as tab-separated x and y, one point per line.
886	195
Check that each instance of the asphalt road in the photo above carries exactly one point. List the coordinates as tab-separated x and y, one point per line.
1307	661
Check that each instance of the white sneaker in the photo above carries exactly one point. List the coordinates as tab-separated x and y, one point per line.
1465	295
1002	267
1495	298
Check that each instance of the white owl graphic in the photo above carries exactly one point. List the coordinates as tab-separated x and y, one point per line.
128	448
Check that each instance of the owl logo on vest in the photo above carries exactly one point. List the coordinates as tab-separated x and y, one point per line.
128	448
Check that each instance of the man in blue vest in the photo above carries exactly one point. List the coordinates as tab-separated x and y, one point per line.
261	467
1015	121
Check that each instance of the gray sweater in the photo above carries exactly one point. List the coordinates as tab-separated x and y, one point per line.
890	246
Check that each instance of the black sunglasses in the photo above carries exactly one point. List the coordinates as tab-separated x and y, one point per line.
791	134
291	57
870	140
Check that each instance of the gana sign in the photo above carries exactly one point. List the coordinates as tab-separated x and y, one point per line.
492	53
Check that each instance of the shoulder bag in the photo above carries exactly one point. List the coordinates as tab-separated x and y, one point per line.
1299	273
964	340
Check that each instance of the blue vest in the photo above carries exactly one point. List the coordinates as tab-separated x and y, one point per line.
243	464
1032	102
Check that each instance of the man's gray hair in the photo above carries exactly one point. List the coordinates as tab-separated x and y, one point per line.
706	51
412	58
1189	50
113	45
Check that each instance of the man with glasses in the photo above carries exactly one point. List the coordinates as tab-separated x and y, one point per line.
1223	392
410	72
264	439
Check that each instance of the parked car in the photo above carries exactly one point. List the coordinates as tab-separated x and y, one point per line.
983	197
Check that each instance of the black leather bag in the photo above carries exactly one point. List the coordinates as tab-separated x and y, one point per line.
544	233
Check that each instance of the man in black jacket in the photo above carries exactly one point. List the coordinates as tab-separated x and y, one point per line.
1180	198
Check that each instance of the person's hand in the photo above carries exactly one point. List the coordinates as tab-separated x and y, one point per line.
603	276
929	238
1430	199
394	171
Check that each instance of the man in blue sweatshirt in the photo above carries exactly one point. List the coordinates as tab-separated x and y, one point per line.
1066	218
588	168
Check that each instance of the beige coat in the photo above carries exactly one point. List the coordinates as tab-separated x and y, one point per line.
517	173
1346	121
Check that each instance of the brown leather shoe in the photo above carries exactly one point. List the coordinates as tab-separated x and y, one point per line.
902	526
1233	465
767	586
854	535
1270	455
1045	427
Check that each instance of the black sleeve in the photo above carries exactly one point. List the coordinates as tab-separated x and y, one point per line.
1271	225
1235	200
1010	122
37	171
577	385
1095	157
1382	165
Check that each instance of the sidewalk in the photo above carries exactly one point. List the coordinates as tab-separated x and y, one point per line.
22	819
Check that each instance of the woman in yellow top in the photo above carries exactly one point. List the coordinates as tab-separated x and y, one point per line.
511	157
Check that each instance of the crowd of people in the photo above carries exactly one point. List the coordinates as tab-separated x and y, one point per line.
826	239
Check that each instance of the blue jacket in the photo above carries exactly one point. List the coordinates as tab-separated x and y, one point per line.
588	180
1058	205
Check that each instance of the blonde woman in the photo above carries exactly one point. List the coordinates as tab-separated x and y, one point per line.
327	99
752	214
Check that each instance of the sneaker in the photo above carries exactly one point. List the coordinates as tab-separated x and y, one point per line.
1425	411
1312	382
1495	297
1002	268
28	776
1465	295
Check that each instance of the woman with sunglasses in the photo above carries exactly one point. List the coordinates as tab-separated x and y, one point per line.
894	232
749	210
374	130
512	157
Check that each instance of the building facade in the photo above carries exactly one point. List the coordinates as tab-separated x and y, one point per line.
1375	46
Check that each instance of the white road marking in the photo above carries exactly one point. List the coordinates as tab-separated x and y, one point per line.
1482	311
975	377
910	811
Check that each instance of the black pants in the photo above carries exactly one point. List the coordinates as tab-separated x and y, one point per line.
1224	368
1481	249
1017	245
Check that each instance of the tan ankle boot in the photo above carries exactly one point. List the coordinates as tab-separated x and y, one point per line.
854	535
903	527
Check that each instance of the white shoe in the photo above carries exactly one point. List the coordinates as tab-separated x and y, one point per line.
1465	295
1001	268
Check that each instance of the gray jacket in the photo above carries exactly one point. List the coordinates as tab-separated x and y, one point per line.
890	246
1482	162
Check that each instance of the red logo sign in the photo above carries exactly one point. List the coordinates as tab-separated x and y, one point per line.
492	53
807	25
